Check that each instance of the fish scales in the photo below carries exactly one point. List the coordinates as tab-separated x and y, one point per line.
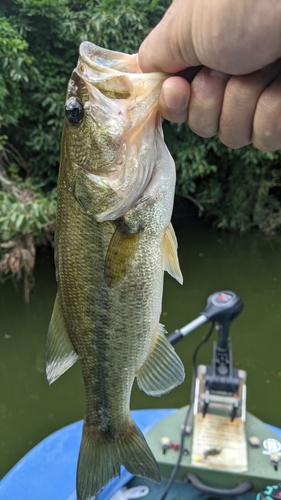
113	242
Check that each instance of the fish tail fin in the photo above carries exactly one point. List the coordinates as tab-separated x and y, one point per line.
101	457
136	456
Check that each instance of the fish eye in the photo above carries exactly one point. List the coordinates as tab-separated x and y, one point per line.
74	111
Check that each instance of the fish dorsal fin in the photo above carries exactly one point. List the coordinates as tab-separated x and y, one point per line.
60	353
163	369
170	254
120	254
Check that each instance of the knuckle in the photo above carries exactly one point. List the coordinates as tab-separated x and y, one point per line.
269	104
238	90
267	122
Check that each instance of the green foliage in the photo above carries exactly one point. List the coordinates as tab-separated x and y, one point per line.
191	156
239	189
27	219
26	210
15	64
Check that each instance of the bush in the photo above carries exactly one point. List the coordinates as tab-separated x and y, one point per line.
237	189
27	219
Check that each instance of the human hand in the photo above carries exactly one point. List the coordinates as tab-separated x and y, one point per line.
238	92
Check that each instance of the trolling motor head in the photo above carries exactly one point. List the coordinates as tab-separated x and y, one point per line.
222	307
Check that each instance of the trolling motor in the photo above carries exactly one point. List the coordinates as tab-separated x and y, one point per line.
220	393
219	386
216	439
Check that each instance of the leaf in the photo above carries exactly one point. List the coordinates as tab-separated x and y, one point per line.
19	221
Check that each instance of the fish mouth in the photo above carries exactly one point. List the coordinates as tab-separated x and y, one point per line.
118	75
127	98
108	61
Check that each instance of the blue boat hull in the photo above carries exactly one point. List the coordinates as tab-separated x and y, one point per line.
48	471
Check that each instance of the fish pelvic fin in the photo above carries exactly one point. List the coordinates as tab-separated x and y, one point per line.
101	457
60	354
163	369
170	254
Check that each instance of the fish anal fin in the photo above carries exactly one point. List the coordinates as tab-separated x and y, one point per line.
60	354
101	457
120	254
170	254
163	369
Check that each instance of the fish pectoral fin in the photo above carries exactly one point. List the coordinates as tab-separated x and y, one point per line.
120	254
170	254
60	354
163	369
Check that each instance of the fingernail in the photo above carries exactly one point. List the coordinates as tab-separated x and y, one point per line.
174	100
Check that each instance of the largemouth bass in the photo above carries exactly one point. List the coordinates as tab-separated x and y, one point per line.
113	242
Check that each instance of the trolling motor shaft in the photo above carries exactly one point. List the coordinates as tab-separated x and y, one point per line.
221	379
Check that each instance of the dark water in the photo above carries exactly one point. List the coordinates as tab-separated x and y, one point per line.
249	265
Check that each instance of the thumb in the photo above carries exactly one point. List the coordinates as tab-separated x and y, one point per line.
161	50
